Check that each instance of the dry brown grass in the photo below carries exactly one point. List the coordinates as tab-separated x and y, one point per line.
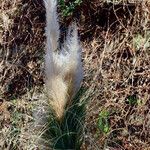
116	68
116	54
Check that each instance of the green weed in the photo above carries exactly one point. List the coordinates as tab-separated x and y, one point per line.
132	100
103	121
140	41
67	10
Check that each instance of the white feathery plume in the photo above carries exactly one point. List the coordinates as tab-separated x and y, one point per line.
64	68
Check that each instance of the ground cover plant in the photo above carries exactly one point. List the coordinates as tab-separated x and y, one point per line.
115	38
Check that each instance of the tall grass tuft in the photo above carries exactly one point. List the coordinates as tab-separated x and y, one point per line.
68	132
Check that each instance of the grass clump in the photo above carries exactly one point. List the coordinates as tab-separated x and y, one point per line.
68	132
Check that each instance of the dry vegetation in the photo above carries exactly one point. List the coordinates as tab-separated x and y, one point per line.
116	53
